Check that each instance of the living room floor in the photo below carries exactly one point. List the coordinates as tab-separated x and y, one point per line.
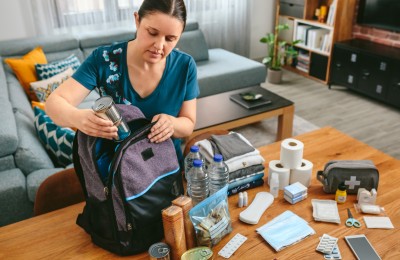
367	120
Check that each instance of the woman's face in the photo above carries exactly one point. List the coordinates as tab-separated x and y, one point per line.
157	35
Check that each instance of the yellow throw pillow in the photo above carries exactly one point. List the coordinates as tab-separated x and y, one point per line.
40	105
24	69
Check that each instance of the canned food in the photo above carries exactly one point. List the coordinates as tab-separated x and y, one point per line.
198	253
105	108
159	251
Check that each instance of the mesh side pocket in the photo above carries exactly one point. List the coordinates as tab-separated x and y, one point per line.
101	219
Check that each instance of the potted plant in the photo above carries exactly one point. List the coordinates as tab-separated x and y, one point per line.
277	51
291	53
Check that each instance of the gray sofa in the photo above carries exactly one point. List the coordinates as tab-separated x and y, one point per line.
24	162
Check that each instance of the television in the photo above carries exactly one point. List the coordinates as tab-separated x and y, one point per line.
382	14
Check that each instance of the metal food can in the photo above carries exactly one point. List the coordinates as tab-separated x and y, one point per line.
198	253
159	251
105	108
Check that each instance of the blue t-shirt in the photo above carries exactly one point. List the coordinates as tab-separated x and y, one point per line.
106	68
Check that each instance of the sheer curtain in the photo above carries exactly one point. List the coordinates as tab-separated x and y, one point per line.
62	16
223	22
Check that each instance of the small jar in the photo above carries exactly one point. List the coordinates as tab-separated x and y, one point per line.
341	193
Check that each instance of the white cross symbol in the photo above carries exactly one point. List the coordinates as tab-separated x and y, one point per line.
352	182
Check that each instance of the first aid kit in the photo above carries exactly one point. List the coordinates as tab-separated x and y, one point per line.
354	174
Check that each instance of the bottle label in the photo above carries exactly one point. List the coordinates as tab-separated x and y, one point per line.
341	199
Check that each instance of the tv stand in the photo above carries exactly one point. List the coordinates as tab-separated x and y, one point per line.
368	68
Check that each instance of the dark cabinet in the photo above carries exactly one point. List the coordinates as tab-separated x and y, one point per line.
393	95
369	68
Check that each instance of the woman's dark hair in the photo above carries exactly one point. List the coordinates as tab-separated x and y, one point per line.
175	8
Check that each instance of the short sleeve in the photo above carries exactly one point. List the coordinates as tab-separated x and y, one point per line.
88	72
192	86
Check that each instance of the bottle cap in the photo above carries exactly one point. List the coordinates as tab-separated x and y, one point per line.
197	163
217	157
342	186
194	149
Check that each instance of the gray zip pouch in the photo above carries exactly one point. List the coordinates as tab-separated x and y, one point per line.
354	173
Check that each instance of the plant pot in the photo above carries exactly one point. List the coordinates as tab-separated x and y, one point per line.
274	76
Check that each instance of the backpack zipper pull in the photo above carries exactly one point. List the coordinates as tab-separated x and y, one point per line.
129	226
106	191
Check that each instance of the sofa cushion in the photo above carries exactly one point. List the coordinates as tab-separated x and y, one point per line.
13	197
18	99
45	71
8	129
57	140
91	40
194	44
24	68
49	44
36	178
7	162
43	88
226	71
30	155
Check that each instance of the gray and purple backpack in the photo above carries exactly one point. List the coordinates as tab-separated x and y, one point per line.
126	185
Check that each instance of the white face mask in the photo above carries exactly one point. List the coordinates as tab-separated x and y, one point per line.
285	230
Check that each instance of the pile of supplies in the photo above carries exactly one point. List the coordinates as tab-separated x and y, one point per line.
244	162
291	167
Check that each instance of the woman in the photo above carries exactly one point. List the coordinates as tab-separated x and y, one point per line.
146	72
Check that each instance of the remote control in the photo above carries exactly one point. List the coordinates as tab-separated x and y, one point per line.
253	213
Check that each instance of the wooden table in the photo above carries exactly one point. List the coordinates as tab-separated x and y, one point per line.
56	236
219	112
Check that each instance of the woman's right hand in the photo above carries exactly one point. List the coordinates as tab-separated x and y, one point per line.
89	123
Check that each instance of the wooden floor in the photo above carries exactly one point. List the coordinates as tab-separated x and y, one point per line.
367	120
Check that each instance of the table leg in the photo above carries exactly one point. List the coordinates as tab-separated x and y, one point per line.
285	123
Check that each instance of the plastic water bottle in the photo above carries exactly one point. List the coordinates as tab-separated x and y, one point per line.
197	182
218	173
190	157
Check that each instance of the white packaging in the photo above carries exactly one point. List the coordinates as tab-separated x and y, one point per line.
291	153
302	174
283	173
274	186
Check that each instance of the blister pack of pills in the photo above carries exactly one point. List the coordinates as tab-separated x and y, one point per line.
327	244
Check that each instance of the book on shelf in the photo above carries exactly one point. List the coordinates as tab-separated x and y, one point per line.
301	33
315	37
331	13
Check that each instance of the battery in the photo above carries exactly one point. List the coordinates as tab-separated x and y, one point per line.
159	251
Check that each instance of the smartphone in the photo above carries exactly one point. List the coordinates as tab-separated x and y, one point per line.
361	247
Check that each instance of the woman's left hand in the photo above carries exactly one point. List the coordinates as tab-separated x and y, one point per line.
163	129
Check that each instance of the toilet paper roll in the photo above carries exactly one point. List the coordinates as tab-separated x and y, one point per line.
291	153
283	173
302	174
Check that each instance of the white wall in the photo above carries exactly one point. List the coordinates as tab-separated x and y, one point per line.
16	21
262	15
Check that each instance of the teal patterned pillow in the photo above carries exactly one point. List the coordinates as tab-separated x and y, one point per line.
45	71
57	140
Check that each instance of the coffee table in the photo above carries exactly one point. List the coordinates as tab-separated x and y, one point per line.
56	236
219	112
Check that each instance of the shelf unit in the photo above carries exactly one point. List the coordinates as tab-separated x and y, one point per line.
316	60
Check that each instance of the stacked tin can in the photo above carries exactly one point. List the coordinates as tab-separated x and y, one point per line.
105	108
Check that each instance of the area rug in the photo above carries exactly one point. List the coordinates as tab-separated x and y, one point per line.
264	132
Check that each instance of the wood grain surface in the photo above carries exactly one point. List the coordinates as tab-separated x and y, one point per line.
56	236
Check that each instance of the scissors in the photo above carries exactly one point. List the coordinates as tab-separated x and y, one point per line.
351	222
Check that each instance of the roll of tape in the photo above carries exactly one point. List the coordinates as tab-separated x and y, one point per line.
291	153
302	174
283	173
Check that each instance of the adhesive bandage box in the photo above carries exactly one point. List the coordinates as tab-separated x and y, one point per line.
295	190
